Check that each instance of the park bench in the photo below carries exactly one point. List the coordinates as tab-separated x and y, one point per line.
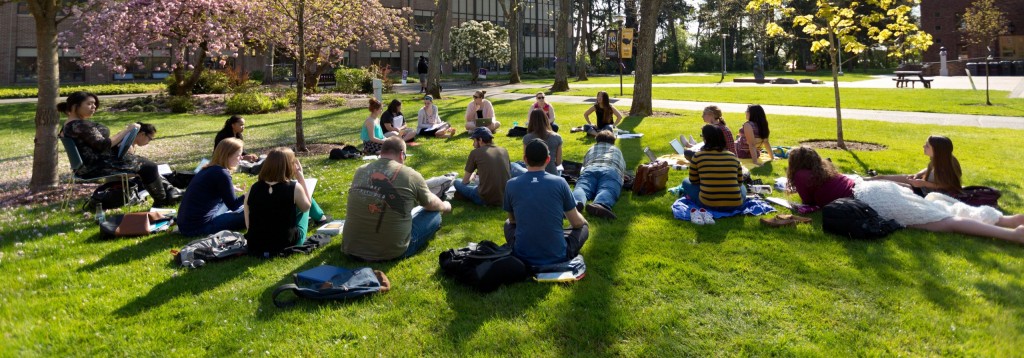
904	77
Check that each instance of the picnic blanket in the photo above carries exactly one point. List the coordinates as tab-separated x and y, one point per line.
754	206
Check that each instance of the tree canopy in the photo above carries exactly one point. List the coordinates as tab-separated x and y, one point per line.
474	41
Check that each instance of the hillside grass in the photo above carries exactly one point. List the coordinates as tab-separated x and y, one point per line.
655	286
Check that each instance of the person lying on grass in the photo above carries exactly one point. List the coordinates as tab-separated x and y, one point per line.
941	175
935	212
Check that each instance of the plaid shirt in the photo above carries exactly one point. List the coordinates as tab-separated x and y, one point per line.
605	155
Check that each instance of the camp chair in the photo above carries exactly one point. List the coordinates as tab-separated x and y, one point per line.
75	159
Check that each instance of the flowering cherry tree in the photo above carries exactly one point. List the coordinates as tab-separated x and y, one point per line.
475	41
119	32
330	27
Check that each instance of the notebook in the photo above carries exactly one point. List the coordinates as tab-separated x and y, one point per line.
202	163
127	142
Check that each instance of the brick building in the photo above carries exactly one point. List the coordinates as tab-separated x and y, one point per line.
18	47
941	18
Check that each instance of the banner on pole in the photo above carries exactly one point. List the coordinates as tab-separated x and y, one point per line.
627	42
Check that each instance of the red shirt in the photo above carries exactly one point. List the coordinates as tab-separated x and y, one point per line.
840	186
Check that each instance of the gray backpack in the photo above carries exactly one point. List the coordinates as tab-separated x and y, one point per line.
219	246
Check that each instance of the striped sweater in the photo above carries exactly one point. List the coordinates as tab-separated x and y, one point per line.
719	176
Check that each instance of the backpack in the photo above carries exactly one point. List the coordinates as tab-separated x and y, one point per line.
333	283
979	195
112	195
854	219
650	178
346	152
483	266
219	246
517	131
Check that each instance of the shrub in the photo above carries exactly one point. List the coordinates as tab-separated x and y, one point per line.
280	103
209	82
135	108
333	101
249	103
353	80
149	108
181	104
100	90
256	76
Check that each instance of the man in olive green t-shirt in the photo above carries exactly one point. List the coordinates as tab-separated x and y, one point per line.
490	162
384	221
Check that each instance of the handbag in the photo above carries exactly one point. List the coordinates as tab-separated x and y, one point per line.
650	178
979	195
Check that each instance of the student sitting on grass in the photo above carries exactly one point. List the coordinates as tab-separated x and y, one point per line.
538	128
428	118
754	135
605	111
371	133
210	204
233	128
393	122
480	108
547	108
713	115
942	173
490	164
935	212
716	176
279	205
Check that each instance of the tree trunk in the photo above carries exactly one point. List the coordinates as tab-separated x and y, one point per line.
312	80
436	47
583	47
562	38
835	88
300	137
512	11
644	55
44	153
474	70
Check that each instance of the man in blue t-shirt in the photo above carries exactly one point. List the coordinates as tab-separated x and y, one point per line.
539	201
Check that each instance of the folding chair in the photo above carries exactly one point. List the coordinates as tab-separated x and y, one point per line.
75	159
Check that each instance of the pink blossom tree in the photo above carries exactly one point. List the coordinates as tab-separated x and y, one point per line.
119	32
329	28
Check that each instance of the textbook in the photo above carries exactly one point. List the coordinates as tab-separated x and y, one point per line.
332	228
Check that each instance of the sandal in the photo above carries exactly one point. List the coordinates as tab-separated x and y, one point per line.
795	219
778	221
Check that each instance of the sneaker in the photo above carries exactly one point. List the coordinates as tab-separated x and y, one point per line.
576	129
692	142
708	218
323	220
600	211
579	207
696	217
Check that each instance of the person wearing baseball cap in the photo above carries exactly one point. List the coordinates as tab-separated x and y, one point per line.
489	164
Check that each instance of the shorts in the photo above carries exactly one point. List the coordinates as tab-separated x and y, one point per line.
371	148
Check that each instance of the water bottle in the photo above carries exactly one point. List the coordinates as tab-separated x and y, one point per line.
560	169
515	124
100	215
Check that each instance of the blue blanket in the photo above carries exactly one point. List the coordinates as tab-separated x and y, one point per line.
681	209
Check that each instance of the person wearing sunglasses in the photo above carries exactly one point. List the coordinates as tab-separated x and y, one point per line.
549	111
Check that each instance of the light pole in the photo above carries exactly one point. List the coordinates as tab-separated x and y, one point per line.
987	60
840	50
619	19
724	35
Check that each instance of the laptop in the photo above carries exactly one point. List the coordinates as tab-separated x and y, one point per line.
484	122
677	146
650	154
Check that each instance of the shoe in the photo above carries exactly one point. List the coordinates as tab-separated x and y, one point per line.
777	221
692	142
708	218
576	129
795	219
579	207
600	211
323	220
696	217
872	173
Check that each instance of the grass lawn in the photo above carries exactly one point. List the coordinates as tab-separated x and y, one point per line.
705	78
655	286
107	89
892	99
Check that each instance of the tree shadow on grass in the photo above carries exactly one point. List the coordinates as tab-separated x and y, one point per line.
470	313
145	247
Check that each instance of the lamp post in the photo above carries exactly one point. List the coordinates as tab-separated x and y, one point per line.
724	35
839	48
987	60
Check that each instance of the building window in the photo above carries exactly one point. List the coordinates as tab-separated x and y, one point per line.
25	66
23	8
937	14
938	28
423	20
386	58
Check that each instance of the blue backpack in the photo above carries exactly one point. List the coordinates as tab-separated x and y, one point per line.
333	283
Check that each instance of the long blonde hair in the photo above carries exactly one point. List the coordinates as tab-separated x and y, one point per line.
226	149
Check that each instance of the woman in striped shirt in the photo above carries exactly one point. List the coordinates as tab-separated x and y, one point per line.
716	176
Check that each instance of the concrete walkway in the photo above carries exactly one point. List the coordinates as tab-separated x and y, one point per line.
1014	84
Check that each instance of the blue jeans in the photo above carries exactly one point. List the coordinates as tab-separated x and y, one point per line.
424	225
517	169
600	184
693	192
469	191
590	128
234	221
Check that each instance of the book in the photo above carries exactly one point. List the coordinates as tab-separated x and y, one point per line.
332	228
564	276
164	169
163	211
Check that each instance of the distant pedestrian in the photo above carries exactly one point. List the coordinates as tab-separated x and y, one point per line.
423	68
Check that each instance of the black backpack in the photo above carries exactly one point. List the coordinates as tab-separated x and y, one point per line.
483	266
854	219
112	195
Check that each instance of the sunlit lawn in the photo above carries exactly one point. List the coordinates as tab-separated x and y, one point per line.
655	286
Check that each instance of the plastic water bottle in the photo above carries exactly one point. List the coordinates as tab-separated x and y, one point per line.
560	169
100	215
515	124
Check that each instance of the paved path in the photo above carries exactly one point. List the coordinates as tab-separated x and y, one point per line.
1015	84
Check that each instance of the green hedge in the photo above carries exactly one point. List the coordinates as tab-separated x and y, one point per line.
118	88
209	82
250	103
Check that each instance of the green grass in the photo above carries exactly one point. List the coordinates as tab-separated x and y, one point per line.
890	99
108	89
655	286
703	78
